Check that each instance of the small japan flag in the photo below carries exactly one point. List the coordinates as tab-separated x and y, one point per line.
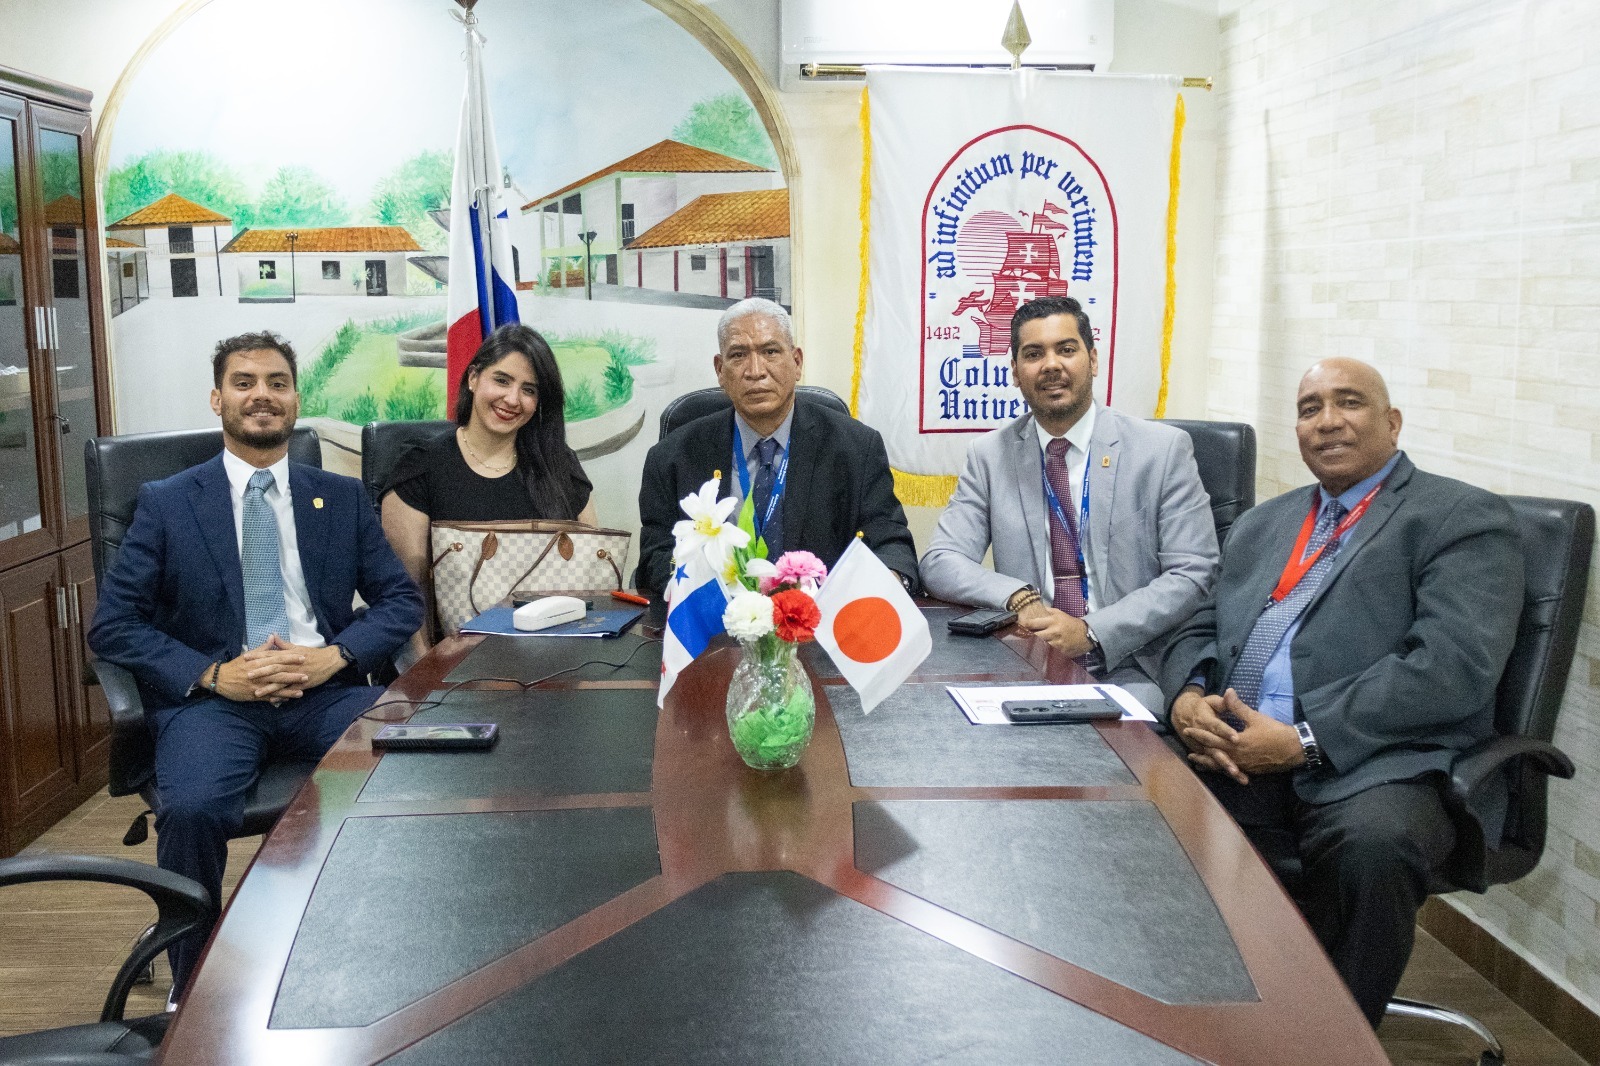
870	628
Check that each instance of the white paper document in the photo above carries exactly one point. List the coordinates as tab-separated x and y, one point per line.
981	704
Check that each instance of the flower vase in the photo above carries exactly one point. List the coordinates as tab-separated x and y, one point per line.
771	708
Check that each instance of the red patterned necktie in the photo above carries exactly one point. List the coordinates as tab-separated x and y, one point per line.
1064	566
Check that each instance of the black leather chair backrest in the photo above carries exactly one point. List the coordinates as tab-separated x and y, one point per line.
701	402
118	466
1225	452
1557	539
382	444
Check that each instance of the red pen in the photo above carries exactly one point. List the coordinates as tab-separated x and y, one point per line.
630	597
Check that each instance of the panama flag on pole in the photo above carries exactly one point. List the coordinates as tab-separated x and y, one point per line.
870	628
479	297
694	616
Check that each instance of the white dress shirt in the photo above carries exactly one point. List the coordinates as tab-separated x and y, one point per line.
1077	461
302	621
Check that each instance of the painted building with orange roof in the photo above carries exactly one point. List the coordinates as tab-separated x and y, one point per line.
730	245
127	274
619	202
183	242
266	265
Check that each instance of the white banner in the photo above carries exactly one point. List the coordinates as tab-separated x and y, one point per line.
990	189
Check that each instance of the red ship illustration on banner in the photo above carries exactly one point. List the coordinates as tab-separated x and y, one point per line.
1031	269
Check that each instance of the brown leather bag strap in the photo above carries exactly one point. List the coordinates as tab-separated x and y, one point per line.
454	546
472	596
605	553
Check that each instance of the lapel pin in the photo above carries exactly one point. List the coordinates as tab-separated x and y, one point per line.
1105	461
317	503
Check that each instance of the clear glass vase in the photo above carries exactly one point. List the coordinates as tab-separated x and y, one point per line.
771	708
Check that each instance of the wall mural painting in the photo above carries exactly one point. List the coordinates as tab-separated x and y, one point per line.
307	191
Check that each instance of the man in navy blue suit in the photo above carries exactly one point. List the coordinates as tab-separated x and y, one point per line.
230	601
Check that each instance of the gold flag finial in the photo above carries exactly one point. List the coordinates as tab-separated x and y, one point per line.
716	475
1015	39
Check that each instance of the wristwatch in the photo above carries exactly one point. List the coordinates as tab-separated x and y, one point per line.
344	653
1096	654
1309	745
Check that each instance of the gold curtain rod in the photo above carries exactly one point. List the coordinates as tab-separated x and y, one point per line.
856	70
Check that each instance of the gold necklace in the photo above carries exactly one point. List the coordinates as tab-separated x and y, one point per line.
462	437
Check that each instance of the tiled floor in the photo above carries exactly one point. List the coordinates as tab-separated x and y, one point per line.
61	944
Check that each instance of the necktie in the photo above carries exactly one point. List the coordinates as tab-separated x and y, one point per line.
766	477
1068	594
264	610
1276	619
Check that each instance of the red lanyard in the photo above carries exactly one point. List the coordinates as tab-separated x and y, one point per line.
1296	567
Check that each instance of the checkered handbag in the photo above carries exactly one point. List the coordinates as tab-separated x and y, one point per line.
477	565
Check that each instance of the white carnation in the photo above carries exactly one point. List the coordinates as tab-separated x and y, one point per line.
748	616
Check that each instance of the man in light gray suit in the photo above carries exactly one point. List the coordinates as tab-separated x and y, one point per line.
1102	533
1351	651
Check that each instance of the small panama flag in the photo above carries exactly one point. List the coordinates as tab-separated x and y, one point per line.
695	602
870	628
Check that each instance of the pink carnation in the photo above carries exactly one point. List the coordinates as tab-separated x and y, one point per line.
800	568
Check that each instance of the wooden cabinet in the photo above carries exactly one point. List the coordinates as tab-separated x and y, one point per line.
53	397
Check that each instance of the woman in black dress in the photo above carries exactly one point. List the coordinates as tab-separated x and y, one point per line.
507	458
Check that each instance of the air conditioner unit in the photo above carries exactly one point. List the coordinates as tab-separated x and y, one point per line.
1072	34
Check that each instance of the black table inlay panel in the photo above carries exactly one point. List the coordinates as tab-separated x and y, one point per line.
918	737
553	742
406	905
952	655
1103	885
530	658
774	968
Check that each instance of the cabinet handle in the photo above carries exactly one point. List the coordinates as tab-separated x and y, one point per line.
55	331
77	607
41	332
61	608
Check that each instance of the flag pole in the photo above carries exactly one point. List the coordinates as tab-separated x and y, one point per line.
480	166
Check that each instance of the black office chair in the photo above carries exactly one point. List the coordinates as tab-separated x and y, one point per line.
116	468
182	907
1225	452
701	402
382	444
1557	539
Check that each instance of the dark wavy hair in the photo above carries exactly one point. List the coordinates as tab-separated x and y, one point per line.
543	457
265	341
1048	307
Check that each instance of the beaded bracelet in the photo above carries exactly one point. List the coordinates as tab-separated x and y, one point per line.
216	669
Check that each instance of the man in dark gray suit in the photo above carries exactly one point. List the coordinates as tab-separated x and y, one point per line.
1351	650
1102	533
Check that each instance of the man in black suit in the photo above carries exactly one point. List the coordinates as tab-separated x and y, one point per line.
1351	650
817	476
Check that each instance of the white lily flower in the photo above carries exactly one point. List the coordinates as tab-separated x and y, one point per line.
748	616
707	528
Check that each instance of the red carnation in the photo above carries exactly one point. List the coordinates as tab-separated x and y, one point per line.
795	615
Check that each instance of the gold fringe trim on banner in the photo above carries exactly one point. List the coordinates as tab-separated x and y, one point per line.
923	490
861	288
1171	310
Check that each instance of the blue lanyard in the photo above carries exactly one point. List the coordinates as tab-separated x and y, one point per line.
1061	516
743	468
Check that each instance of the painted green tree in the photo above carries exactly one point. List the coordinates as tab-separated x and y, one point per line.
8	197
727	124
296	196
406	194
194	175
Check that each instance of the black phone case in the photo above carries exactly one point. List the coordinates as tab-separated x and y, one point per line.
1049	712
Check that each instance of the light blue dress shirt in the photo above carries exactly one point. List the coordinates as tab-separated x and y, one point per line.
1277	680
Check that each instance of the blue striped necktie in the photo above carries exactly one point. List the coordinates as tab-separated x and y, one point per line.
1276	619
264	609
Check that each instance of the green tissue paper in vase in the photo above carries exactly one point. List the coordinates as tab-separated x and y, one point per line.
771	708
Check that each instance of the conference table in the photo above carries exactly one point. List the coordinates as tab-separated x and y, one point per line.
610	883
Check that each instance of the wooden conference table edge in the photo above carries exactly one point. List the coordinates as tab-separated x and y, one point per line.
1304	1014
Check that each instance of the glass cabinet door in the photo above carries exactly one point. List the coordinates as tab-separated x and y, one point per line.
59	152
21	497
